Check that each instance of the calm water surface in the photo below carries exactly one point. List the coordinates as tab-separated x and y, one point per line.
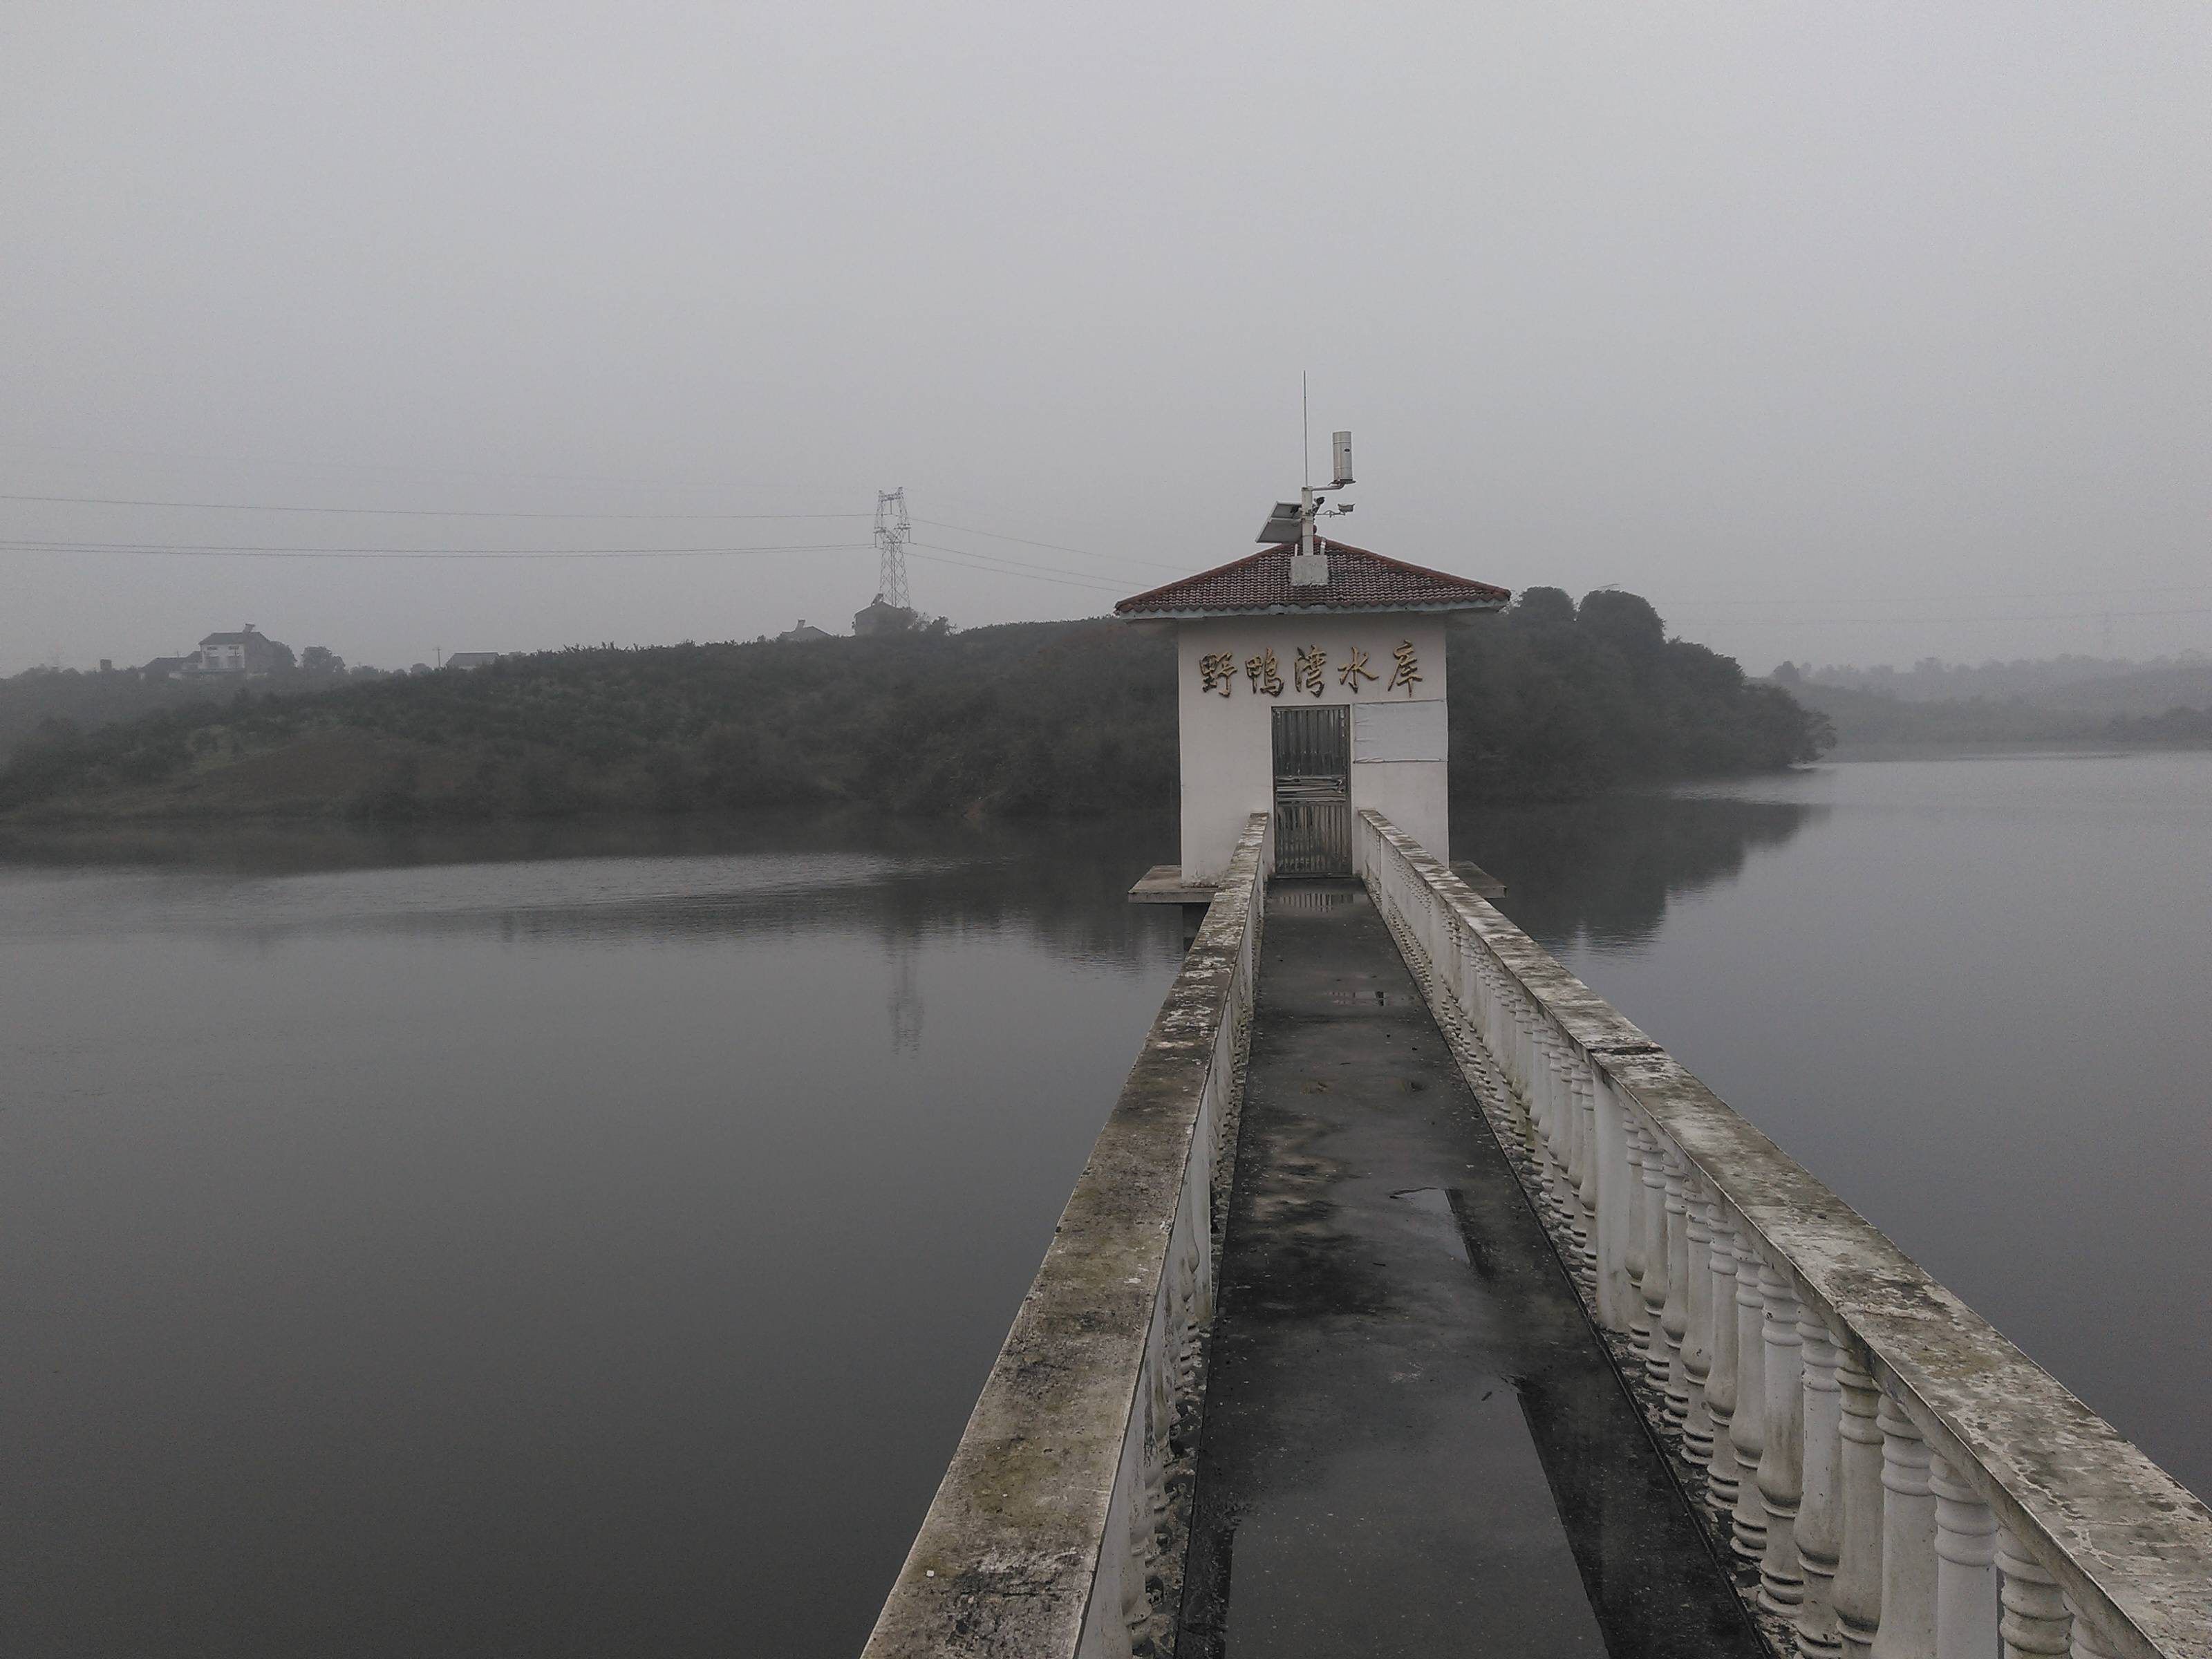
1971	995
585	1244
592	1242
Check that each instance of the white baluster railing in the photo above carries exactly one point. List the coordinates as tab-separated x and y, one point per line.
1723	1385
1747	1429
1819	1511
1076	1555
1858	1563
1906	1629
1907	1484
1697	1338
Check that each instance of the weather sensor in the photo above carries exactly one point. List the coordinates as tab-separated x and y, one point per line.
1293	521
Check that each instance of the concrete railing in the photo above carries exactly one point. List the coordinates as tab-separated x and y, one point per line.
1894	1478
1053	1535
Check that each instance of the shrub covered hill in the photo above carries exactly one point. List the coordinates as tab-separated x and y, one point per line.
1549	699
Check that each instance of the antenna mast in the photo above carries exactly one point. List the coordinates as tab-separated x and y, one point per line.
893	533
1305	460
1294	520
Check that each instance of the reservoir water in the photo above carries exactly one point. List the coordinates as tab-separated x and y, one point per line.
1969	994
590	1241
571	1243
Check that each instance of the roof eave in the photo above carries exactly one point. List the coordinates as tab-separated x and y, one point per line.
1202	612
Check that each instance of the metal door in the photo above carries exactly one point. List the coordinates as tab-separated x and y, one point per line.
1313	790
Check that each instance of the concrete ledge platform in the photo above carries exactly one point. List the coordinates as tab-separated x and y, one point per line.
1163	884
1485	885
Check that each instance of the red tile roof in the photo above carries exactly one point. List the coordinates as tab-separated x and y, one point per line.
1358	580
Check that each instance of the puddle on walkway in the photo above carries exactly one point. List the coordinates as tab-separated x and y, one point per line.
1296	901
1434	1204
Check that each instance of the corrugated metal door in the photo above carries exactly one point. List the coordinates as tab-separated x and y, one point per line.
1313	790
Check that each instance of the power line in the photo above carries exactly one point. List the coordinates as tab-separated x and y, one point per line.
1923	622
1967	599
524	512
215	549
1057	547
966	559
411	512
1042	572
567	476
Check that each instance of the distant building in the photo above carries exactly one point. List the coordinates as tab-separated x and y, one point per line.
167	668
472	659
249	650
882	618
801	634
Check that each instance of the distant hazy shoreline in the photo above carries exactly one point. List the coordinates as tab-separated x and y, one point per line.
1845	751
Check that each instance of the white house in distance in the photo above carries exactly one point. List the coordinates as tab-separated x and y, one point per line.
249	650
1311	696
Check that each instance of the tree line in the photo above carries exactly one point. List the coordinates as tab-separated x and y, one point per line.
1549	699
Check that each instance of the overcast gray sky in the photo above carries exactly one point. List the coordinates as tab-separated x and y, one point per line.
1849	332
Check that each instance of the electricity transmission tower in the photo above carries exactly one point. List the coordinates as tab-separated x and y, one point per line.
893	533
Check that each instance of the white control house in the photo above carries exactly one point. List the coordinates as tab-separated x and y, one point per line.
1310	685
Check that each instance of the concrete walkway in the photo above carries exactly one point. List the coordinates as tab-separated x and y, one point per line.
1412	1444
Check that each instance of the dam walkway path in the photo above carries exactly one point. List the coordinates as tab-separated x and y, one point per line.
1412	1301
1413	1441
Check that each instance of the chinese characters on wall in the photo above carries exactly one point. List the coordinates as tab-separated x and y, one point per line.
1310	665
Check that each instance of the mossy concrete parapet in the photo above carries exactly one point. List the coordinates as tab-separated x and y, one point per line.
2130	1546
1048	1525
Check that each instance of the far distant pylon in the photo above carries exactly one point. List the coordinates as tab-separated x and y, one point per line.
893	533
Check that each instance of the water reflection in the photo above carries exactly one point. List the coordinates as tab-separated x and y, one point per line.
778	875
1603	872
562	1240
905	994
1967	994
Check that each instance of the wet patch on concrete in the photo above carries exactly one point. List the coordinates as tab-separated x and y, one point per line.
1412	1441
1437	1204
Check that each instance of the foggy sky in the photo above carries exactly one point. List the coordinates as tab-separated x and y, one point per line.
1847	333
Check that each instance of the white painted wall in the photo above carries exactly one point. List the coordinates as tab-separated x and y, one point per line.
1228	755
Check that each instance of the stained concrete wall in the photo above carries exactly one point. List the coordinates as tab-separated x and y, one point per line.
1228	753
1053	1534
